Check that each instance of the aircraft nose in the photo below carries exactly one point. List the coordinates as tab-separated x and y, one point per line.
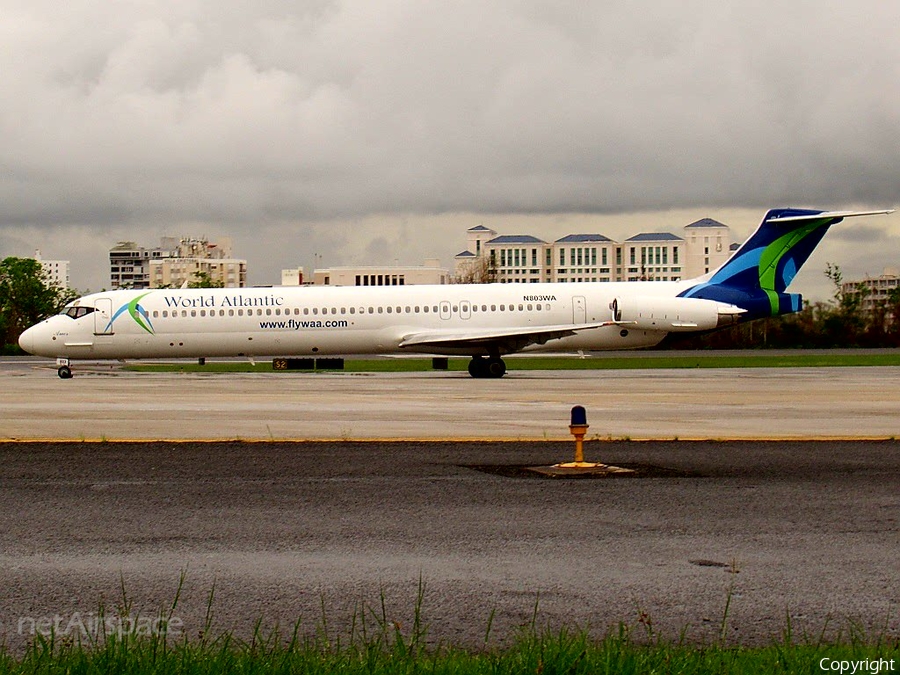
26	340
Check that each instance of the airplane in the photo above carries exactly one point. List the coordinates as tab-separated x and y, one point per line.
482	321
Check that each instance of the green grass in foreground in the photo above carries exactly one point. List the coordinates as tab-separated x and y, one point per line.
373	644
388	650
648	360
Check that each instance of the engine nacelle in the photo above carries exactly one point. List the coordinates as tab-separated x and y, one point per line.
673	314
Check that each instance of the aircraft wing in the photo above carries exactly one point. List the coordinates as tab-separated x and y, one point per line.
507	339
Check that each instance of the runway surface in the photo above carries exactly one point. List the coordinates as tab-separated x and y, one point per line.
103	402
807	530
771	527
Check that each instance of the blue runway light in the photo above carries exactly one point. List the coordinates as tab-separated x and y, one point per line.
579	416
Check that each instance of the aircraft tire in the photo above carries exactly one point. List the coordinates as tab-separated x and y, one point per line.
496	368
478	367
64	372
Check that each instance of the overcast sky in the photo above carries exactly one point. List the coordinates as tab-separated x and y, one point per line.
337	133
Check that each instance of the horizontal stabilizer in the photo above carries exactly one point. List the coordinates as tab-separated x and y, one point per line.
830	214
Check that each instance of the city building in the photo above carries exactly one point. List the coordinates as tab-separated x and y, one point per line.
659	256
708	246
56	272
654	256
292	277
174	263
876	291
429	273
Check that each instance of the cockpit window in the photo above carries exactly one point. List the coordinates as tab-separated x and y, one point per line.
77	312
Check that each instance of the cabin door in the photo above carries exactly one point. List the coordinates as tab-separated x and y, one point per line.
464	309
579	309
103	316
445	310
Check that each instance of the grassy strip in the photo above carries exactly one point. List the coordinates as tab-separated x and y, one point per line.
374	644
387	650
650	360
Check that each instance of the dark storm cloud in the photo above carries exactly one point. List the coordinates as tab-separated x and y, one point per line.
236	115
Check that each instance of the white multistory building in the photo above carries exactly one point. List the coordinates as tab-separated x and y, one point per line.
659	256
55	272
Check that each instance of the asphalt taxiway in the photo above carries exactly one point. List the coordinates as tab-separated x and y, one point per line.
104	402
806	532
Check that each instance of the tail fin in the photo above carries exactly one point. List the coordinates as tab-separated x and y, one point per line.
756	277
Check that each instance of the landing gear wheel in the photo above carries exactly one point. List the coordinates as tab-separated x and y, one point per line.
496	368
478	367
481	367
64	372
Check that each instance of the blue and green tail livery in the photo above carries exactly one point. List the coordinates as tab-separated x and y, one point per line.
756	277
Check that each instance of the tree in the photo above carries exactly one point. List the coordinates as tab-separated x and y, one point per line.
203	280
480	270
26	298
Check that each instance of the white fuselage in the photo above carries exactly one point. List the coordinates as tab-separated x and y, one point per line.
289	321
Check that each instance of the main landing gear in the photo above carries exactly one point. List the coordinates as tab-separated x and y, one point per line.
491	367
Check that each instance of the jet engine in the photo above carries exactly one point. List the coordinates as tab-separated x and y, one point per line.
673	314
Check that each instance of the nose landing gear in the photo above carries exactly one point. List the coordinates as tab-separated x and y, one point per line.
63	370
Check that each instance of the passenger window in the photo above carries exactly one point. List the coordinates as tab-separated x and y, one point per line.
390	309
202	312
315	310
425	309
521	308
193	312
493	308
230	312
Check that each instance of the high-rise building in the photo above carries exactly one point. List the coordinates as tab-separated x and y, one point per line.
56	272
174	263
